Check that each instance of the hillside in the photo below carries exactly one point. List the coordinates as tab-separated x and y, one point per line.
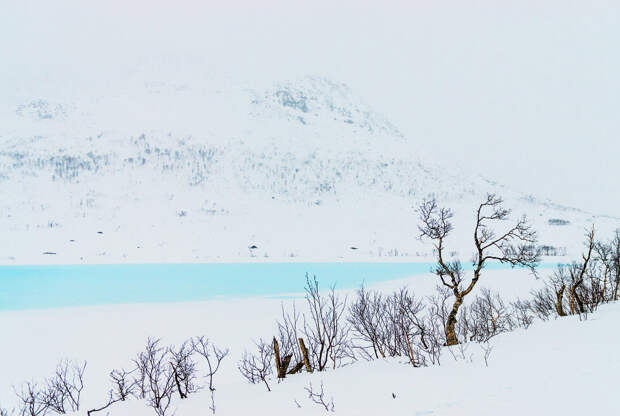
157	171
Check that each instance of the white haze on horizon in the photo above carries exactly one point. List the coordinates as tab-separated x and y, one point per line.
527	94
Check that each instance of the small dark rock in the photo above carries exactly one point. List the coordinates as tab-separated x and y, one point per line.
252	247
353	248
99	232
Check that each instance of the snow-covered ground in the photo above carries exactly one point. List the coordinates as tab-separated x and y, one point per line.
529	372
156	172
140	132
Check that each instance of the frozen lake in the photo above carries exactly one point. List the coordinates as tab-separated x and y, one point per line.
35	287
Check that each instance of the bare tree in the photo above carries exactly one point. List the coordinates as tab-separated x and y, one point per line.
123	386
577	276
319	398
615	262
32	399
325	327
514	246
487	349
214	356
257	367
608	258
184	369
64	389
368	322
288	335
156	375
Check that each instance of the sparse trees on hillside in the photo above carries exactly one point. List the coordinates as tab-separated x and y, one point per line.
514	246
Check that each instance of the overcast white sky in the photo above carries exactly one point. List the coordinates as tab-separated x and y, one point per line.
527	92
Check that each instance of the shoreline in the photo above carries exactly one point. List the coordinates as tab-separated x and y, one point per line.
257	260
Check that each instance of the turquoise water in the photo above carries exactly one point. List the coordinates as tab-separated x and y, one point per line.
36	287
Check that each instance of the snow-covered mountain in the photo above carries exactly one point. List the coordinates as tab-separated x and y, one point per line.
167	171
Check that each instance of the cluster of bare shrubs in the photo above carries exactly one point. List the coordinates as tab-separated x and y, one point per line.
162	372
334	331
58	394
315	340
581	287
159	374
375	325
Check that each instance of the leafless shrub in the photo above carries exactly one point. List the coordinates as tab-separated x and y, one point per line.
386	325
123	386
155	376
487	349
368	323
395	326
184	369
489	316
543	302
289	333
460	352
319	398
32	400
522	312
63	390
257	367
213	356
410	326
614	260
325	327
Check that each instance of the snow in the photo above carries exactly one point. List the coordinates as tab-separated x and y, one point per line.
145	133
529	371
157	172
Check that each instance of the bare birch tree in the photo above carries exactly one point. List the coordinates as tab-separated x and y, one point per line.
514	246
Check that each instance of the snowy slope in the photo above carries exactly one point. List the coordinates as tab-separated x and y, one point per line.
162	171
530	371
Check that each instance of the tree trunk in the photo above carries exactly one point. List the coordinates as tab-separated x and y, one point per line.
178	383
276	351
559	301
451	338
576	298
411	356
304	353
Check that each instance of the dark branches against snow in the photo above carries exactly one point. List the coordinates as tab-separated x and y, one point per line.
214	357
256	367
319	398
514	245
